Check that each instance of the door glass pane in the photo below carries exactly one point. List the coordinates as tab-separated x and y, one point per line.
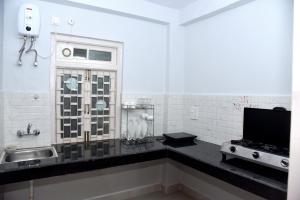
100	122
74	124
94	78
74	110
106	99
106	79
67	131
106	128
94	129
74	135
74	99
79	130
100	83
94	102
106	89
67	103
94	89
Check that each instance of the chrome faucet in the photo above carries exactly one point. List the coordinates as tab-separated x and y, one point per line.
28	128
35	132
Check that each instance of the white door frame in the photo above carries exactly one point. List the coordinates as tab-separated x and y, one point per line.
117	66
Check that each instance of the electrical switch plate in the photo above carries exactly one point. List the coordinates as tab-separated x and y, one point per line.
71	21
55	21
194	113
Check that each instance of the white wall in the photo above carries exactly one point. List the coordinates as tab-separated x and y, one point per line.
207	8
246	50
1	39
1	69
253	40
145	62
145	46
141	9
175	76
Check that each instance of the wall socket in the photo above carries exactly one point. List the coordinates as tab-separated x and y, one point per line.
55	21
71	21
194	113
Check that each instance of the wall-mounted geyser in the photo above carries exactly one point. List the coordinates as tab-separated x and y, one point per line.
28	27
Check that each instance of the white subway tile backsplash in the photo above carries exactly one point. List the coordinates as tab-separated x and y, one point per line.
221	117
21	109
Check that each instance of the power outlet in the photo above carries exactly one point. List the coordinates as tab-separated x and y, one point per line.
194	113
71	21
55	21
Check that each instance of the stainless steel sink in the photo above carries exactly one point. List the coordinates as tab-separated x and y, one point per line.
28	157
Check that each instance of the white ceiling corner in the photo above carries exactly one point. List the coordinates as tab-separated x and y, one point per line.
175	4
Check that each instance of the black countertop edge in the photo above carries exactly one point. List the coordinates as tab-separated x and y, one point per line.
77	167
224	175
190	156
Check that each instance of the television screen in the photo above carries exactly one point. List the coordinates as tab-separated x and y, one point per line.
267	126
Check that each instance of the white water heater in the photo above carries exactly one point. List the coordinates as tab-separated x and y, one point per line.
29	20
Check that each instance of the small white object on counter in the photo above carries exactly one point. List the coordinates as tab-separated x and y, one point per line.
147	117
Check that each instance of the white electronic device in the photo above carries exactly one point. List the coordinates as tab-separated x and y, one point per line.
29	20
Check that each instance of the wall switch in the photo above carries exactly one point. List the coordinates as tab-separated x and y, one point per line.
71	21
194	113
55	21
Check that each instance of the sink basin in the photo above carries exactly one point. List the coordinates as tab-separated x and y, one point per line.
28	157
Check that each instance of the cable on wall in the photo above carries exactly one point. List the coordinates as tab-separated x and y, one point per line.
21	51
32	40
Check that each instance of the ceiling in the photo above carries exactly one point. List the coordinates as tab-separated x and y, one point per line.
176	4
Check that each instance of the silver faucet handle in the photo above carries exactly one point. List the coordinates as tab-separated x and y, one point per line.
29	127
36	132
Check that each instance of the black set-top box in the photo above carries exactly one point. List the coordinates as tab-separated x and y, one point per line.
179	139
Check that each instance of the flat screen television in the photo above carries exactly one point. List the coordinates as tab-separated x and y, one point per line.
267	126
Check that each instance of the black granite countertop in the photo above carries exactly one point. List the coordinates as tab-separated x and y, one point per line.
203	156
206	157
